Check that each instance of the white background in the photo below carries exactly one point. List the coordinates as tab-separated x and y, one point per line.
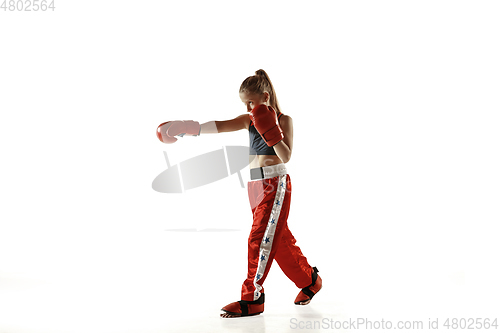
395	165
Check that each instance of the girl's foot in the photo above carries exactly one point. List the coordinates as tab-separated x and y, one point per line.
306	294
243	308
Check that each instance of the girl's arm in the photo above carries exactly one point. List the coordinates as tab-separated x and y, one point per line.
236	124
284	148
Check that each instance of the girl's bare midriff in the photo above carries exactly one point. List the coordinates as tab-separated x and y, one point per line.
258	161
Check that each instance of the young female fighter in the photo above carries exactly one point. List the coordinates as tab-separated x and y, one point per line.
271	142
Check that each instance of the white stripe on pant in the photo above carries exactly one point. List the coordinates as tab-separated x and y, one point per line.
267	241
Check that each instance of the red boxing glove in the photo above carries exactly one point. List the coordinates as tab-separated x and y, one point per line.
166	132
266	122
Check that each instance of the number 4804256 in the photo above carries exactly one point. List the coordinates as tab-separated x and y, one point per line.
27	5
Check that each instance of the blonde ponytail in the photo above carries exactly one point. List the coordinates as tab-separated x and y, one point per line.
259	83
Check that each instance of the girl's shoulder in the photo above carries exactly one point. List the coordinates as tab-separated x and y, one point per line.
244	119
284	119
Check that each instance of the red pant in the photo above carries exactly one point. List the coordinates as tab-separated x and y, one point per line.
270	237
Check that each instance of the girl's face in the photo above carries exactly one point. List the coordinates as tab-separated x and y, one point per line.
251	100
